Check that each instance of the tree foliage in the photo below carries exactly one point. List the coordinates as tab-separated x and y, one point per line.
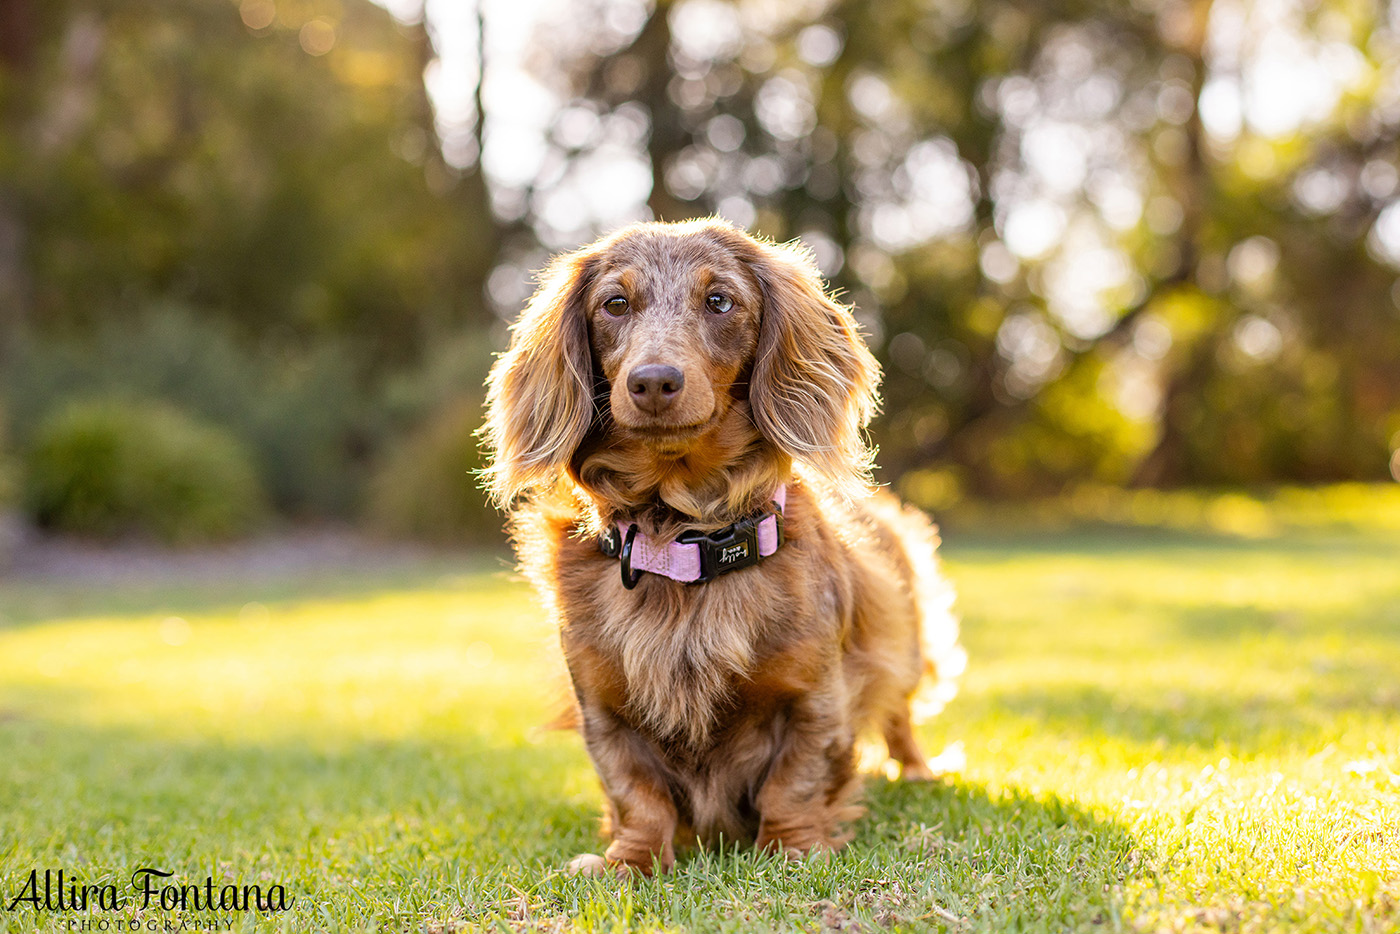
1104	240
1075	260
274	164
240	208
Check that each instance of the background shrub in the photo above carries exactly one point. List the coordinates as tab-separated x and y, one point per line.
109	468
428	488
300	412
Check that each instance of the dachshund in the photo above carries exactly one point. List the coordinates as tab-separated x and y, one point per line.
676	432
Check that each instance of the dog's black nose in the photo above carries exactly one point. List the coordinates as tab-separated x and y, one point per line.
655	386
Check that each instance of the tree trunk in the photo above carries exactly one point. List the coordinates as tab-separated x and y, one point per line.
17	51
668	135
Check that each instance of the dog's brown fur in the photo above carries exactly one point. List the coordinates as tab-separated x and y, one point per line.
729	707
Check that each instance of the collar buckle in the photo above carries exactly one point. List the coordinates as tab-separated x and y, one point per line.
727	549
695	556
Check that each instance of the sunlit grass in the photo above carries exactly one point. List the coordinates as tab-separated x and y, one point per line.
1165	730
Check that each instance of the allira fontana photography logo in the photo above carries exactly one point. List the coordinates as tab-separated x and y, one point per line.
54	891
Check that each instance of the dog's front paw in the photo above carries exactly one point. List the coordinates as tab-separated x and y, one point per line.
591	865
917	771
587	864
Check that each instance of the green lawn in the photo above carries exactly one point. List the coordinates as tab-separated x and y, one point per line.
1166	728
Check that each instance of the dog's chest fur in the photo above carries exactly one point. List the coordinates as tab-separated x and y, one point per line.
682	651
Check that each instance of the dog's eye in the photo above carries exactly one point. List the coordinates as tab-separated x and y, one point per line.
616	306
719	304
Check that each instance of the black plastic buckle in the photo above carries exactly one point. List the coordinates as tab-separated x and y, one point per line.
730	548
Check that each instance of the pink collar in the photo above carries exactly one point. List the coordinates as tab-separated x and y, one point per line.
695	557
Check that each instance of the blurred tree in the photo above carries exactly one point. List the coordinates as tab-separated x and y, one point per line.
1111	241
18	27
241	207
1102	240
275	164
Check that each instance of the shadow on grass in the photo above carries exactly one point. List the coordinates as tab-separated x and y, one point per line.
1003	862
925	857
419	833
25	602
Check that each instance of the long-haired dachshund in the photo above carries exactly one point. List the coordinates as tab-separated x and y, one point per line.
677	433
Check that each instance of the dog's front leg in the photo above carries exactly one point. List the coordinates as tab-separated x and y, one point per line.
642	812
809	786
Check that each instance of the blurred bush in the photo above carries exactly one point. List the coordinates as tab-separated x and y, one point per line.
109	468
427	488
300	412
452	369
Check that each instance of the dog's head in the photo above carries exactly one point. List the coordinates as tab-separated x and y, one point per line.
660	333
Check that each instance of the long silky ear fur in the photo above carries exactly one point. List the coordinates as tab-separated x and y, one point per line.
539	395
815	384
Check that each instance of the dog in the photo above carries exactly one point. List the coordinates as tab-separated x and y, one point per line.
676	432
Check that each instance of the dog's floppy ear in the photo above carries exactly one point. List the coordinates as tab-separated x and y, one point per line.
815	384
539	396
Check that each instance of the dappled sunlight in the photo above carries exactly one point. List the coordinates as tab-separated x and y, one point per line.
453	663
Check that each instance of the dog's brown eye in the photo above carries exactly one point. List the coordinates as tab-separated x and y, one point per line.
719	304
616	306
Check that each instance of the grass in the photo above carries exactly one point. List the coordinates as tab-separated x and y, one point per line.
1167	727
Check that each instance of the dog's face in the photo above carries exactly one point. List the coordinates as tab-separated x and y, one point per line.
660	333
673	323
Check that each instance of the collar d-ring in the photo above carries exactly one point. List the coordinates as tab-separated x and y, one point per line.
629	576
